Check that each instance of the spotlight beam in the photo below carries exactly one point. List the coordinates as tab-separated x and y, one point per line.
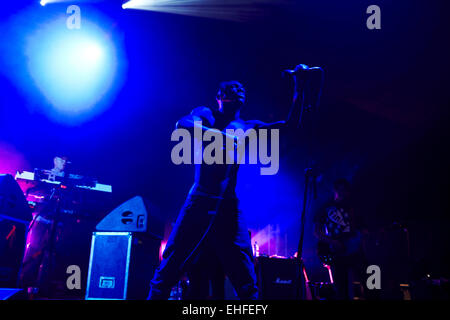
44	2
234	10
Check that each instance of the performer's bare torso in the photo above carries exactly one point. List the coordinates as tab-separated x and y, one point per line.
219	179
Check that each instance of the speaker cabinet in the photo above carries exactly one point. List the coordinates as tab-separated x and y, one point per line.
280	279
14	218
12	244
121	265
13	205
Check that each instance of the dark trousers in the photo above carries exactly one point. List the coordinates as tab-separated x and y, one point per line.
346	270
227	236
206	276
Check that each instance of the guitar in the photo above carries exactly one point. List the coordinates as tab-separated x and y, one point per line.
347	244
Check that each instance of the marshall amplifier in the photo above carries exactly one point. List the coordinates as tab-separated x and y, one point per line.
279	279
121	265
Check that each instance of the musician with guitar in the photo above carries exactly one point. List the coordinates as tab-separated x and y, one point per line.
210	218
339	231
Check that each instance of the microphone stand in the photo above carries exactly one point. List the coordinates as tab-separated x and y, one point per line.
309	102
310	178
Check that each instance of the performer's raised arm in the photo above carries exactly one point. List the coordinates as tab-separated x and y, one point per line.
307	91
200	117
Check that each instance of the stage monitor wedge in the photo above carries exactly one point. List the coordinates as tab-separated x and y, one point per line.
12	294
134	215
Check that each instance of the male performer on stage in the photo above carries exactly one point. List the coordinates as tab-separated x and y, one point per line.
339	231
32	275
58	168
210	218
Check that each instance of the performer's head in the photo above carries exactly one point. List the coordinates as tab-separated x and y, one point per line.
341	189
59	163
230	97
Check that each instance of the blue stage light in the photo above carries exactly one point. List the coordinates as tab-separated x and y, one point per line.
73	69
